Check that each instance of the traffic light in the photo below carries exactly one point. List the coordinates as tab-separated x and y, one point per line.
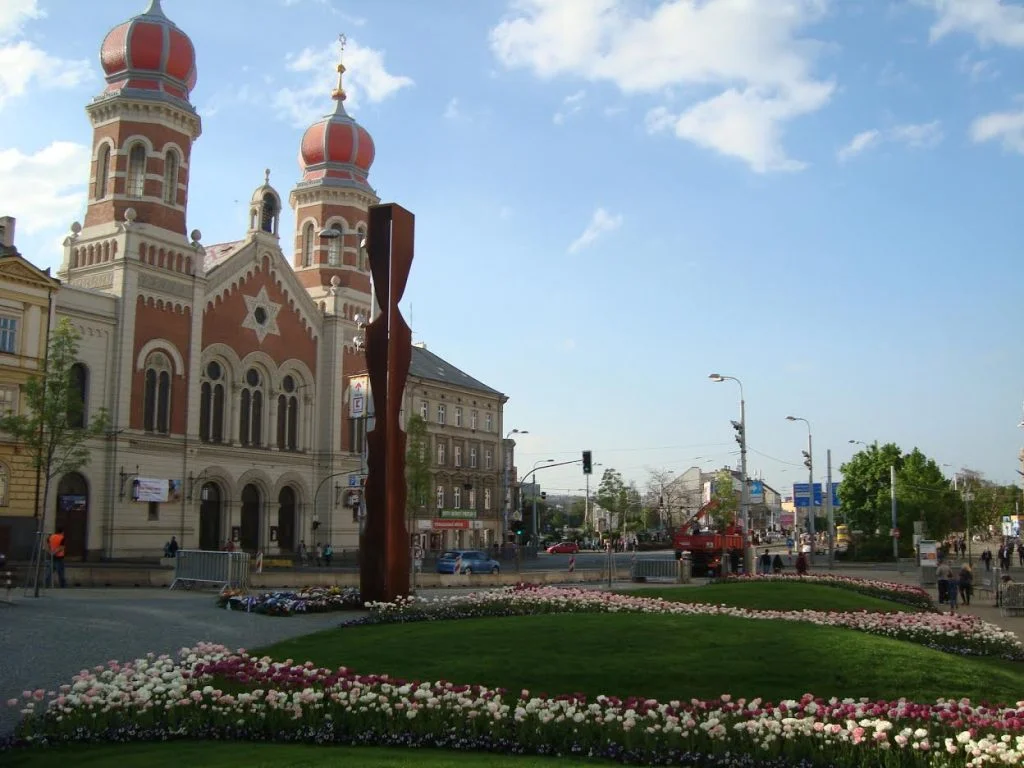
588	465
807	459
518	527
739	432
543	495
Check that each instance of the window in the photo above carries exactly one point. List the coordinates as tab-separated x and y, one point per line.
171	177
288	415
102	172
9	335
5	484
488	458
488	423
363	261
357	435
457	497
472	457
472	419
440	414
424	410
153	511
78	396
334	250
458	417
457	455
136	171
268	214
440	497
250	416
211	404
471	493
307	245
440	452
156	407
487	499
8	400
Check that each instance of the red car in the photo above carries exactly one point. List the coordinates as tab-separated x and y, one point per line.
563	548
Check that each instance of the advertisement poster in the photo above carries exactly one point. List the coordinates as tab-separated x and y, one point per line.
928	552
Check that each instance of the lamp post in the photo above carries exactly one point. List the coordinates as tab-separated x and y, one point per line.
741	438
506	464
534	526
809	463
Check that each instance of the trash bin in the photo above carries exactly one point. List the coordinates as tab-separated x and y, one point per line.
685	568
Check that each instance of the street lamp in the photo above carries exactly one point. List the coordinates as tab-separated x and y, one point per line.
535	526
809	463
741	438
505	482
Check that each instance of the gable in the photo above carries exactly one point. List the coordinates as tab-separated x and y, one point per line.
16	268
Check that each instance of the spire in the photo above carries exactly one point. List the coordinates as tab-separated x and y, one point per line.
266	177
154	9
338	94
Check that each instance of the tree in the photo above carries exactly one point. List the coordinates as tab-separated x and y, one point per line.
664	494
417	463
613	497
51	430
728	498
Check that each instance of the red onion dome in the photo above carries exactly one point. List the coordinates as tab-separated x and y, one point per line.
336	149
149	55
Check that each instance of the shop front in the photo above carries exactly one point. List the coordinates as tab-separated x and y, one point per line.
453	529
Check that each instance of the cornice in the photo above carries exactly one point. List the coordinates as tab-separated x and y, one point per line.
120	107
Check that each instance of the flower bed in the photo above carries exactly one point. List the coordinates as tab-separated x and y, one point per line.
955	633
306	600
159	698
905	594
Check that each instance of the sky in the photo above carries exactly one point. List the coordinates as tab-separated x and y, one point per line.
616	198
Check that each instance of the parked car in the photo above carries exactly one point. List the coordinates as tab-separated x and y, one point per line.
467	561
564	548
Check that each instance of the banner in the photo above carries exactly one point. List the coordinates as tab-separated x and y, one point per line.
156	489
709	489
359	395
756	492
460	514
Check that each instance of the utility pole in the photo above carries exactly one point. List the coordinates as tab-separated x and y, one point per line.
828	507
895	526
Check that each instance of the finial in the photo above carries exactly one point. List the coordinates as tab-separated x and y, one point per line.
338	94
154	9
266	177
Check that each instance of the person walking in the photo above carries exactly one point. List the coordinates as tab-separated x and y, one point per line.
765	563
947	585
56	546
966	583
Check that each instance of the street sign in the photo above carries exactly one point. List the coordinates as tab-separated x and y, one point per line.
800	495
353	481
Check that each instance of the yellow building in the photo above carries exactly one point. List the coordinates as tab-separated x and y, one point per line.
26	305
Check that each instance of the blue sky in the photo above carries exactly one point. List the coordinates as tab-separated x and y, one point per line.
615	198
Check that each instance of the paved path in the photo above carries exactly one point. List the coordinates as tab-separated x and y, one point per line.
44	642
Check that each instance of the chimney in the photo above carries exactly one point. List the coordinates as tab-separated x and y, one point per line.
6	232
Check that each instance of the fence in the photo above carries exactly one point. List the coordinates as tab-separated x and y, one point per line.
1012	601
228	570
649	569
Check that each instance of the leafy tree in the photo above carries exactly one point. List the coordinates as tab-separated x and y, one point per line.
417	463
613	496
728	498
990	503
864	492
50	429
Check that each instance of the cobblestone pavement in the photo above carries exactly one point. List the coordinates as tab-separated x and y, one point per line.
44	642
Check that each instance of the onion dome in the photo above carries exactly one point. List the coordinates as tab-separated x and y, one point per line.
149	56
336	149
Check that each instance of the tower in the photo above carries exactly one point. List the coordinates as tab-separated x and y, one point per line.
331	202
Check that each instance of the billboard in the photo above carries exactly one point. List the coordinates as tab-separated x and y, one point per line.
156	489
800	495
359	394
756	492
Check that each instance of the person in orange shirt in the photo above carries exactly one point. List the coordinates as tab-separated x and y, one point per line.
56	544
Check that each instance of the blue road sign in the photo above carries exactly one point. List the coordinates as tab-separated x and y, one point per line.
800	495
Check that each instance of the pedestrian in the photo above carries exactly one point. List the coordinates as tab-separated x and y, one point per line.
947	585
172	547
777	564
765	563
801	564
966	583
57	549
328	554
318	554
303	552
986	558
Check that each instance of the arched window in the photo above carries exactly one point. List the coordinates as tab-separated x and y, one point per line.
102	172
334	250
136	171
268	213
156	410
211	404
307	245
78	395
171	177
5	484
288	415
250	417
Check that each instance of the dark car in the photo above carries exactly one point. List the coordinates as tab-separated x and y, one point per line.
466	561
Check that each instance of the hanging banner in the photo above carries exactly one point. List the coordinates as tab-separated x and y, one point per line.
358	395
156	489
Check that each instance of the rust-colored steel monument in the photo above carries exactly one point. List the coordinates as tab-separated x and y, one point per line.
384	549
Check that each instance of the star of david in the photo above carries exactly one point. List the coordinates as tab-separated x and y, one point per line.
261	317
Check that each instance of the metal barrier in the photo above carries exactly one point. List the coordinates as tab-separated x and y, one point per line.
1012	602
649	568
228	570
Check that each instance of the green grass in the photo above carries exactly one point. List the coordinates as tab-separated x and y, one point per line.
221	755
658	656
773	596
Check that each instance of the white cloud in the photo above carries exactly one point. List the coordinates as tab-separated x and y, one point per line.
991	22
601	223
913	135
44	190
366	77
977	69
751	53
571	104
22	64
1005	127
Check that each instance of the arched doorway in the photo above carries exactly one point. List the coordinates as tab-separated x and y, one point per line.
286	519
73	513
250	535
210	535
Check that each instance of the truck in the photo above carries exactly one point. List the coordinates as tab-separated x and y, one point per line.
704	546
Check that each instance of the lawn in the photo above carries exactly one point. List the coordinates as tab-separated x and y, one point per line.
220	755
658	656
772	596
